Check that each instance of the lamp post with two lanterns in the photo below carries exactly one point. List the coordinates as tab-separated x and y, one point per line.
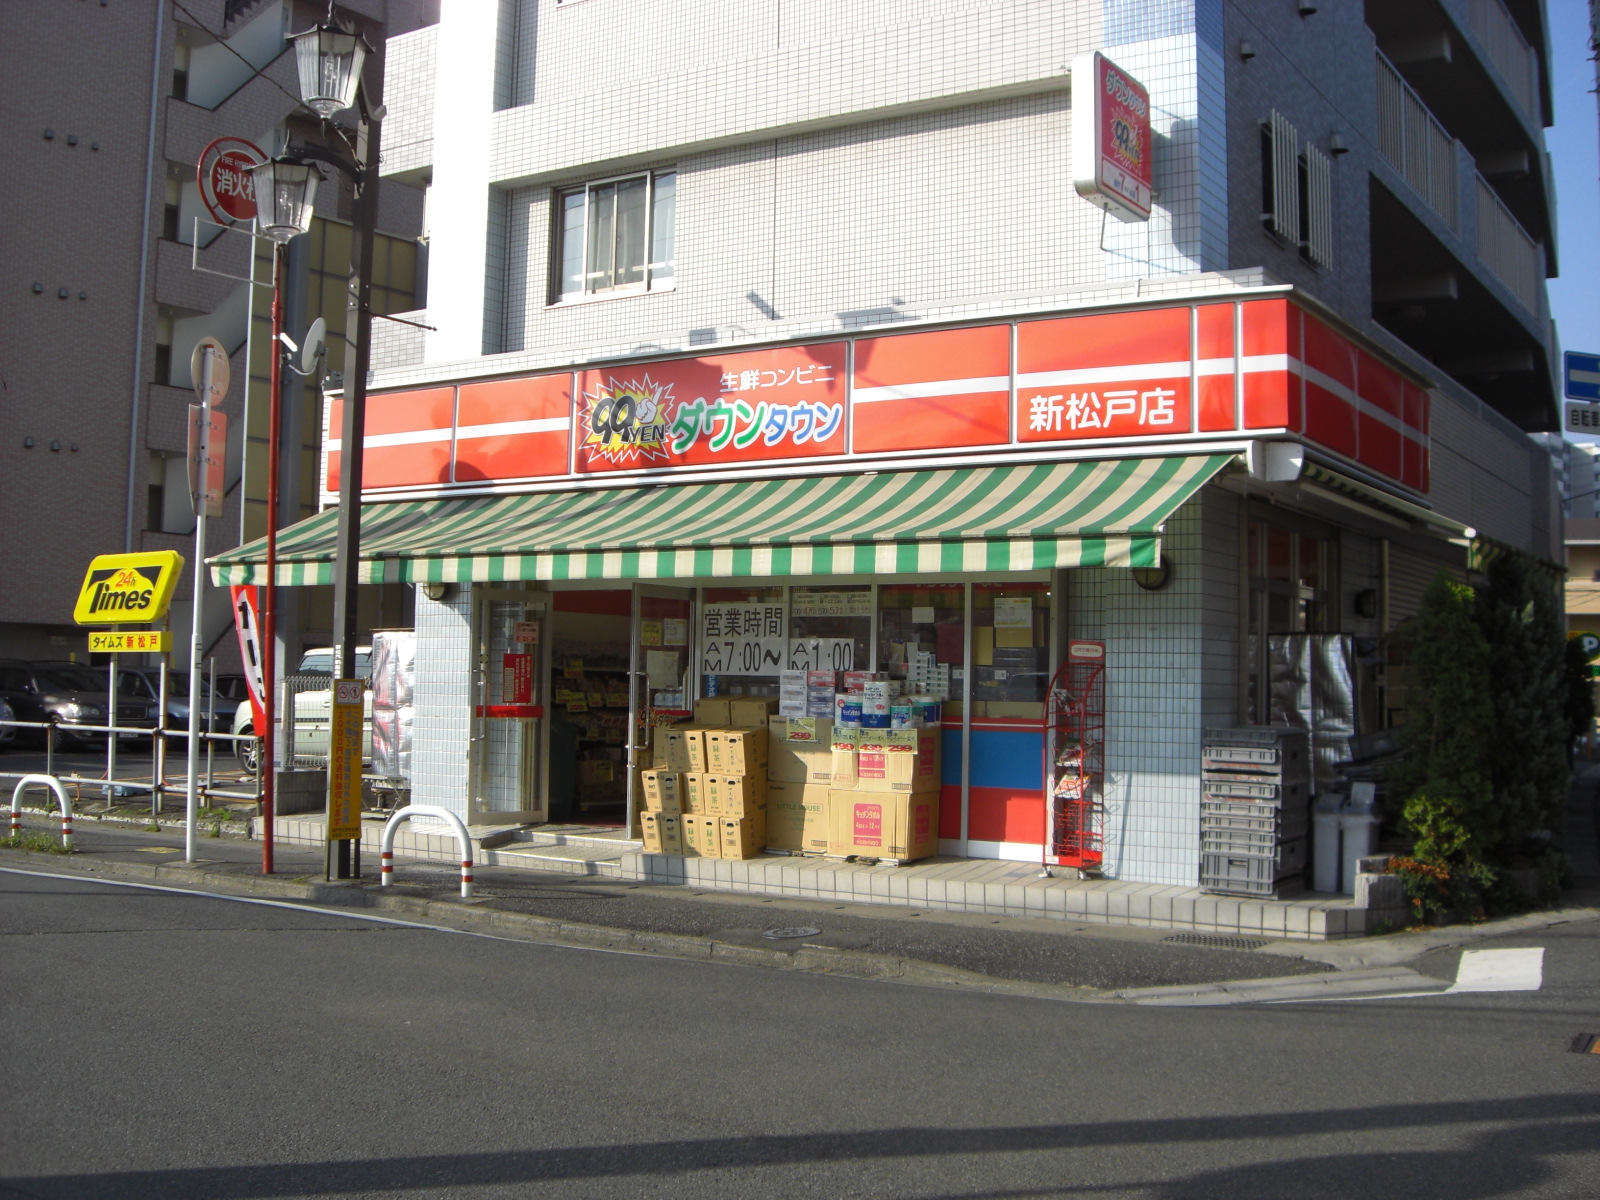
338	72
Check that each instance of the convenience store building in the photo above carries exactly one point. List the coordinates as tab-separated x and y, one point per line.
797	314
1175	479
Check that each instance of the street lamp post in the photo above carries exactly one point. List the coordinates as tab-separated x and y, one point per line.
338	71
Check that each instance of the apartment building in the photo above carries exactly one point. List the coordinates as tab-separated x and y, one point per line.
808	316
118	270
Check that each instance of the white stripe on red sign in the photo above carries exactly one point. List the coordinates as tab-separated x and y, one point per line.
923	391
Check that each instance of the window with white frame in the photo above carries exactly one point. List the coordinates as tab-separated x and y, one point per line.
615	236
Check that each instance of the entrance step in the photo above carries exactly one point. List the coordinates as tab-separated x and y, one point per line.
615	840
604	859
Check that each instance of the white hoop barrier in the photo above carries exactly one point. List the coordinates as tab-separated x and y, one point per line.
54	785
386	872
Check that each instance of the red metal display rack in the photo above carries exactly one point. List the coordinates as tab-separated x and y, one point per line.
1074	760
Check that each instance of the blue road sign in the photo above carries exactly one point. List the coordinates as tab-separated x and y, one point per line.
1582	375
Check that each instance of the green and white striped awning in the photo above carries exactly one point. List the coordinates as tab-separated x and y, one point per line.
1001	518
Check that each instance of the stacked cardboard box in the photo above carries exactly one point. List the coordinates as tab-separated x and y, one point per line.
799	774
706	794
840	791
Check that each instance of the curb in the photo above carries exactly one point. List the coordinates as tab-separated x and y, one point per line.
474	917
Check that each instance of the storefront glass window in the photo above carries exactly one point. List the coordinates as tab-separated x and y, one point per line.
1010	649
922	639
824	619
743	640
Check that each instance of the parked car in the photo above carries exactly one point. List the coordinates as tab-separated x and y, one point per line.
8	733
313	710
144	684
231	688
68	695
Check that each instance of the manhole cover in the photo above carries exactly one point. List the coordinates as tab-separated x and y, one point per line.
1216	941
783	933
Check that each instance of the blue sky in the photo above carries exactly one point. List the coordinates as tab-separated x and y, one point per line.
1574	144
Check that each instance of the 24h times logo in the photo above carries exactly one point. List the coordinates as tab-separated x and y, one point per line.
626	421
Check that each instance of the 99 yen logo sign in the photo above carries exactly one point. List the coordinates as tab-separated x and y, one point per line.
626	420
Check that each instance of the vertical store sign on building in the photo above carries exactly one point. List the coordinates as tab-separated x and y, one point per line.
1111	164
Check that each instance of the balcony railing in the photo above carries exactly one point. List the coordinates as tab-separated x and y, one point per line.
1414	143
1506	249
1508	50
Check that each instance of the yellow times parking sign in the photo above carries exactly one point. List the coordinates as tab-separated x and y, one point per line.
128	589
148	641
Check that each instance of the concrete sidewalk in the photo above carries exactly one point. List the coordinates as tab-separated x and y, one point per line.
990	887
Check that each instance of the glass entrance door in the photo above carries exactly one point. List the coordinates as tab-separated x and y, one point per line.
511	653
662	687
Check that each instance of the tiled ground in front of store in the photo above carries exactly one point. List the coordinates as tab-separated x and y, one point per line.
950	884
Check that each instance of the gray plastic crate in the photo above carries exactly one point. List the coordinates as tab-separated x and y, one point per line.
1246	788
1238	874
1244	874
1226	814
1254	756
1238	841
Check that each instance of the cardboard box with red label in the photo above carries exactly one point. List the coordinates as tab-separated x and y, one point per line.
902	826
898	760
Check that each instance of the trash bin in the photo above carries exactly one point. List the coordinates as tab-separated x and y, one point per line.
1325	844
1359	829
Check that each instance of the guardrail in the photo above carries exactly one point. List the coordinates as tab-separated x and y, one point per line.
158	784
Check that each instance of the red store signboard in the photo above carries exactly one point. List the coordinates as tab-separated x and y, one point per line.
1165	376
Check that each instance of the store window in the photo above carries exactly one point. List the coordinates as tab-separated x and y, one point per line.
1290	565
616	236
922	640
743	641
1010	649
830	628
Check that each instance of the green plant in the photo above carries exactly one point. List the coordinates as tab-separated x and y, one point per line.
1439	891
1529	765
34	843
1445	774
153	827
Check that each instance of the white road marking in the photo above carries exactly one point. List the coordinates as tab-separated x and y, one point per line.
346	914
1499	971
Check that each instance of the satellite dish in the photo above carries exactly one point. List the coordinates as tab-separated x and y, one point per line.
316	336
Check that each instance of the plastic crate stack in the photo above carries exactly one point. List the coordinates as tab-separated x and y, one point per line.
1255	809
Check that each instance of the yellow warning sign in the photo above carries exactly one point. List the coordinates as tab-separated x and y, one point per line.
128	589
344	761
144	641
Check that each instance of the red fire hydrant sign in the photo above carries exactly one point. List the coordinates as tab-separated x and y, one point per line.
516	679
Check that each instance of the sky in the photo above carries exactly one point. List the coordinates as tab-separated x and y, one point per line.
1574	145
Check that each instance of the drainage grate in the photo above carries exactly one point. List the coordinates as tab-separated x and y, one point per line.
1585	1043
1217	941
790	931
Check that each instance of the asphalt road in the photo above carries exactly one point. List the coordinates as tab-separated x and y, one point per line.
175	1046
